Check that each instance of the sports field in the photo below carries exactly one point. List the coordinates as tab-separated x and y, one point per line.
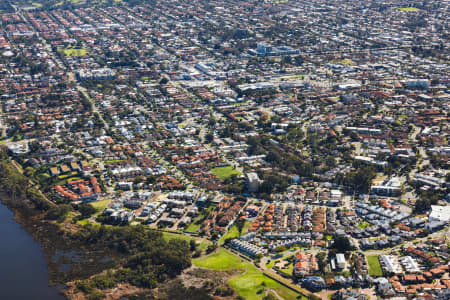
225	172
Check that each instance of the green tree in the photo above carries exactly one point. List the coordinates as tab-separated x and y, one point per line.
193	245
212	247
86	210
342	244
321	261
240	223
209	137
58	212
361	179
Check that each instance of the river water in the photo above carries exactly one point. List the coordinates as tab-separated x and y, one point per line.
23	268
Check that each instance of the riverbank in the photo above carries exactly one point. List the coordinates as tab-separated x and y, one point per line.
91	261
64	258
24	271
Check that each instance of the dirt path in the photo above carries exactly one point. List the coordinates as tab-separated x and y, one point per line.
281	280
275	293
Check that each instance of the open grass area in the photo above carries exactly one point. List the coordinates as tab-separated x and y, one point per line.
225	172
221	260
363	225
270	264
100	205
249	284
202	244
234	232
64	176
346	61
112	161
374	266
74	52
73	178
83	222
65	181
408	9
68	217
193	227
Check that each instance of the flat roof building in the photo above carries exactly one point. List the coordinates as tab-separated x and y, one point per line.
439	213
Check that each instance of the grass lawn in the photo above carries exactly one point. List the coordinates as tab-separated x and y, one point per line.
374	266
87	221
112	161
408	9
221	260
68	217
249	283
193	227
289	269
100	205
234	232
64	176
346	61
73	178
363	225
73	51
83	222
65	181
271	263
225	172
202	244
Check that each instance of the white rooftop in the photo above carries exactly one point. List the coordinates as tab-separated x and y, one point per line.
439	213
